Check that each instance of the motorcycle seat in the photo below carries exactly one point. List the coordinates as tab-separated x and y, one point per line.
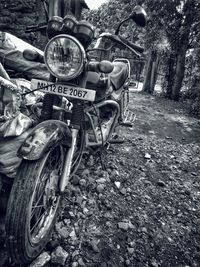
119	74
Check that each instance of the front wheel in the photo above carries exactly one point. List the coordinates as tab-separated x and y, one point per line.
33	206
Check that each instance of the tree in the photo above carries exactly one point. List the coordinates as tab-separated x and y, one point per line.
190	13
177	20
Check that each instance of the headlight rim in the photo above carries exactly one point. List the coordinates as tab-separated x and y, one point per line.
82	52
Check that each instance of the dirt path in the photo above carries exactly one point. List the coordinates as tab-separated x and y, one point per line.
143	209
163	118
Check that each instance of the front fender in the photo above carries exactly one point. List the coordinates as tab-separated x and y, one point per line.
44	136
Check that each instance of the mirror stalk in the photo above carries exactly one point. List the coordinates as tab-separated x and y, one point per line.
120	24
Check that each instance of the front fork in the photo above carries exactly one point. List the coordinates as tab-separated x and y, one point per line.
76	123
68	162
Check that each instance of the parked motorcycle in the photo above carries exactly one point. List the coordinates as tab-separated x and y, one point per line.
97	96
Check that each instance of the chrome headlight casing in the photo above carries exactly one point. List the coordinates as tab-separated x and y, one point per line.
64	57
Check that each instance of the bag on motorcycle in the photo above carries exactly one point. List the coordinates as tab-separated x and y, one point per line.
9	161
11	57
14	125
12	121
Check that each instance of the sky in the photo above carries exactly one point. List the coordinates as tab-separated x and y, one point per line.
95	3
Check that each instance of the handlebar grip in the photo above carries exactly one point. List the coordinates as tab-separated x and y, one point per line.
103	66
93	66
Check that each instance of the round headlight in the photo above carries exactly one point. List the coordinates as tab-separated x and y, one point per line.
64	57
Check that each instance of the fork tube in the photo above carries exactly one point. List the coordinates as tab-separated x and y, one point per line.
68	162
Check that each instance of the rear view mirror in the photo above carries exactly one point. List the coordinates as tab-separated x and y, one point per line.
139	16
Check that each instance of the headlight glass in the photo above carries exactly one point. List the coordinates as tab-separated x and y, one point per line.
64	57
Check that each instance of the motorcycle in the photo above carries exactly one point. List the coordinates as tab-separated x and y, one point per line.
96	98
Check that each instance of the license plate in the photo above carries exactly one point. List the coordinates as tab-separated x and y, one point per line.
63	90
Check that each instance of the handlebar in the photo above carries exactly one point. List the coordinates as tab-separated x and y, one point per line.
116	38
137	48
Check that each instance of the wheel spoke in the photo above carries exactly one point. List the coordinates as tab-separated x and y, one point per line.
40	206
45	201
39	219
35	209
35	205
38	201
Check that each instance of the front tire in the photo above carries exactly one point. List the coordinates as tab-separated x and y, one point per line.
33	206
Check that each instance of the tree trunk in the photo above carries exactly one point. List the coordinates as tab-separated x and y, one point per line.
169	78
148	75
154	74
183	46
179	74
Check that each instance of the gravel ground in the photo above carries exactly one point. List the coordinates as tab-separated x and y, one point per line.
142	210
